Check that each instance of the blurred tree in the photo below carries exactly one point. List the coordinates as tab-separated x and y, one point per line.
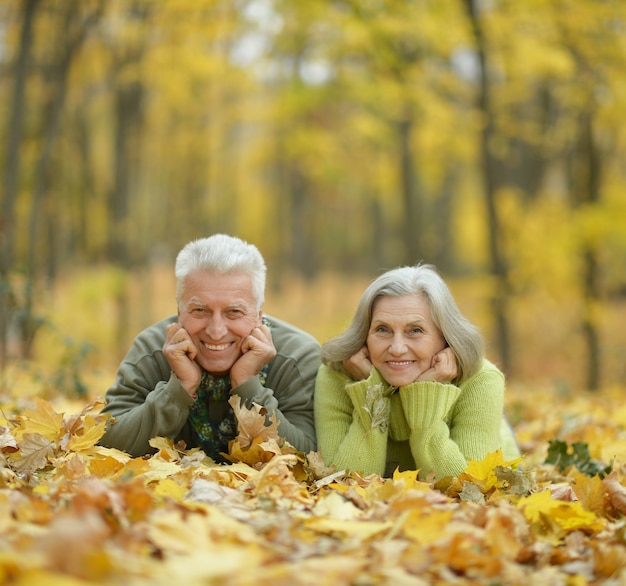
71	29
489	163
11	173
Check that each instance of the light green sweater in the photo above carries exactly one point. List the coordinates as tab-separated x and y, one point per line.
371	427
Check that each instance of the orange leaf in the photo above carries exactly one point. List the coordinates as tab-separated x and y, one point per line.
104	467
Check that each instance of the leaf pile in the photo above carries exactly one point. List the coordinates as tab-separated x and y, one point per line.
72	513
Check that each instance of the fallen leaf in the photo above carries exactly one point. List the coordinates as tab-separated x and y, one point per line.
88	436
617	492
570	516
252	423
8	443
35	451
43	421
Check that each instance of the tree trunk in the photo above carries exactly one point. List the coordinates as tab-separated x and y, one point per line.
57	78
489	164
12	174
412	212
587	175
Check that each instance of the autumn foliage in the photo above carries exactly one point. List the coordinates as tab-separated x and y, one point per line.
73	512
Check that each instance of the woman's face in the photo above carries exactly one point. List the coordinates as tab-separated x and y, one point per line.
403	338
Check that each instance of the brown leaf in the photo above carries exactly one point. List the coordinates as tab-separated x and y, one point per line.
35	450
252	423
563	492
8	444
317	466
617	493
74	423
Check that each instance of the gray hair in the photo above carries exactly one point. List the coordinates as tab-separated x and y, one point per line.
464	338
221	254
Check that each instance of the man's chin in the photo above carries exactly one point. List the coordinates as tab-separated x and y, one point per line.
217	368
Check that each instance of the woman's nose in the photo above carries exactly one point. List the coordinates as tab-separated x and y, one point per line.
398	345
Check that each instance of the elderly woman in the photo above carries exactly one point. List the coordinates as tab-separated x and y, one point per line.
407	386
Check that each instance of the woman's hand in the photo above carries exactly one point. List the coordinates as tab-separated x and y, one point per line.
443	368
358	366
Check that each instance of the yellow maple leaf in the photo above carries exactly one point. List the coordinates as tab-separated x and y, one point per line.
409	477
483	472
569	516
43	420
362	530
170	489
104	467
93	429
166	449
426	528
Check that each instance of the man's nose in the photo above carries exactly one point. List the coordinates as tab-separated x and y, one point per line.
216	327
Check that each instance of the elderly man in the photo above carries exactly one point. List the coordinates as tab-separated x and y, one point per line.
179	374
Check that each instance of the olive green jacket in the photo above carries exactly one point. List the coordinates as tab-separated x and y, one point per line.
148	400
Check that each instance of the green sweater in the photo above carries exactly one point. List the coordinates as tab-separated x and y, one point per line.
371	427
148	400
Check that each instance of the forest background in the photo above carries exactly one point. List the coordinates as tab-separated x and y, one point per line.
342	138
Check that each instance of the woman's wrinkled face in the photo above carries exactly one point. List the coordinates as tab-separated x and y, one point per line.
219	312
403	338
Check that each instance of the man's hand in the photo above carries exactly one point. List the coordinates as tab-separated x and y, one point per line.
359	365
258	349
443	367
180	352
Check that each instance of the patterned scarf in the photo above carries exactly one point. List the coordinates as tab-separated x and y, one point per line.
213	422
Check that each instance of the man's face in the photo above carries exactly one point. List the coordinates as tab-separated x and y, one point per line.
218	312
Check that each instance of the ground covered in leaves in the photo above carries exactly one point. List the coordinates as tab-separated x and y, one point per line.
72	512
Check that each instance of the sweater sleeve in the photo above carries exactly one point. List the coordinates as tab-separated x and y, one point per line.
146	399
351	420
450	425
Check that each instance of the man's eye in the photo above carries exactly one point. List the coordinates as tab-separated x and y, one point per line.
234	313
198	311
416	330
